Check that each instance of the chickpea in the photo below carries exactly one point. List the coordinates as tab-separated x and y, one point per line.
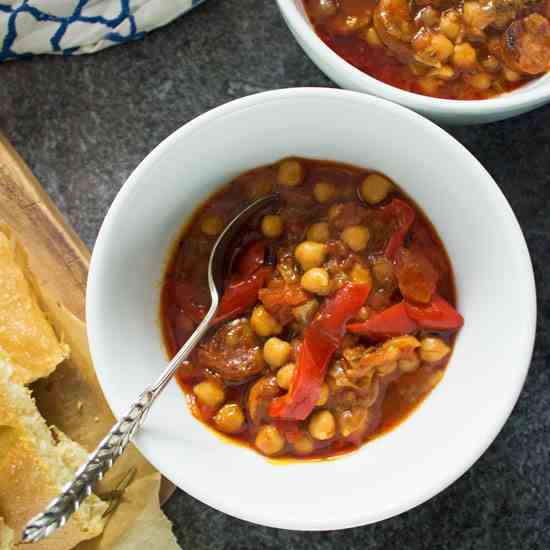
491	64
408	365
269	440
324	191
441	47
322	425
450	24
446	72
290	173
303	444
316	280
480	81
431	47
375	188
310	254
230	418
276	352
433	349
211	225
210	393
464	56
272	226
263	324
323	396
373	39
510	75
477	16
429	16
319	232
285	375
361	274
356	237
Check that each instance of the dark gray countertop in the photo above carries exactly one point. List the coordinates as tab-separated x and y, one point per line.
84	123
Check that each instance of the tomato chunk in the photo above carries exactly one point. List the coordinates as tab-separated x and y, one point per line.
279	301
416	276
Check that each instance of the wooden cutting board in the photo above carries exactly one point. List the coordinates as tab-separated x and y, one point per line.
59	261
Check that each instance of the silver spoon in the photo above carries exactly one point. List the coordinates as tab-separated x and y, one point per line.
115	442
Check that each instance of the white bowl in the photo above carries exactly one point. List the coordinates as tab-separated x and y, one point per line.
494	278
447	111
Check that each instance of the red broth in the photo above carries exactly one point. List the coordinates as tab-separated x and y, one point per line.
241	387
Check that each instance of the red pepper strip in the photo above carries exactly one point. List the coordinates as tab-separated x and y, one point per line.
437	315
251	258
393	321
321	339
241	294
405	217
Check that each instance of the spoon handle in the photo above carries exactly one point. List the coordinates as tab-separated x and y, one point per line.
109	449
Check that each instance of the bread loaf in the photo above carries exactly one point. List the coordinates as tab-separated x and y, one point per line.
35	463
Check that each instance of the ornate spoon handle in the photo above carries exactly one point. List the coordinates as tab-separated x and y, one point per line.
111	447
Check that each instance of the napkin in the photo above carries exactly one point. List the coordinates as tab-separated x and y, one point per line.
67	27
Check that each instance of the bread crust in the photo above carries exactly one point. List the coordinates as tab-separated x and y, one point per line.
25	334
35	463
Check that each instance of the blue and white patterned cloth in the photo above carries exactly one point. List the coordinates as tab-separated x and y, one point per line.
30	27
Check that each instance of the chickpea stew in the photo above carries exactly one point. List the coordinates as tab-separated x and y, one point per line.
451	49
337	318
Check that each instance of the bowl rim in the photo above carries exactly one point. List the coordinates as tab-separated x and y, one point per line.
135	180
482	107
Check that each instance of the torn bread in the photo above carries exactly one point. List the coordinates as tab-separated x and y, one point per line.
6	536
35	463
25	334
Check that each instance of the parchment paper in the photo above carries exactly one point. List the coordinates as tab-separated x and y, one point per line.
71	399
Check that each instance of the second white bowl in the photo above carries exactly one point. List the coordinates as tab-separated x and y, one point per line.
447	111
